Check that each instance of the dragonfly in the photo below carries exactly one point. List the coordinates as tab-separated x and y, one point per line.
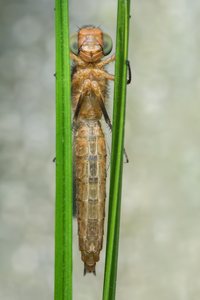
89	82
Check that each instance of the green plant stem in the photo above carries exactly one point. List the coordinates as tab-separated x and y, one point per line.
63	216
110	275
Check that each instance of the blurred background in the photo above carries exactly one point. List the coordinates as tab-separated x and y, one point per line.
159	255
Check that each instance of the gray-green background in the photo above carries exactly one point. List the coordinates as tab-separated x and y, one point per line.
159	254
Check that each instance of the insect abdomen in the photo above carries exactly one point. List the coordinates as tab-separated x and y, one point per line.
90	160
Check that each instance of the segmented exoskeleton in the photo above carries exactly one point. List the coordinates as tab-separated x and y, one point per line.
89	89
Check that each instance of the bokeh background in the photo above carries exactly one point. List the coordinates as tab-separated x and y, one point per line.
159	255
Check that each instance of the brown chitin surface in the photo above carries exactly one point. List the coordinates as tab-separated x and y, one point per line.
90	157
89	84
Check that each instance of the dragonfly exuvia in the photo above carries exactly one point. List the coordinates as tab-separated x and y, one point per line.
89	94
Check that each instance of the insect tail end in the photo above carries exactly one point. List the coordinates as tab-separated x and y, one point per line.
89	269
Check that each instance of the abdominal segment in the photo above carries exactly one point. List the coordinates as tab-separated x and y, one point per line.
90	177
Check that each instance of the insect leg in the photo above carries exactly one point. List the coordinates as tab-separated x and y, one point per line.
78	108
109	76
84	270
77	59
106	75
106	61
107	119
126	156
112	77
129	72
104	111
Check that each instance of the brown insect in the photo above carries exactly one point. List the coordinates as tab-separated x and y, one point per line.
89	92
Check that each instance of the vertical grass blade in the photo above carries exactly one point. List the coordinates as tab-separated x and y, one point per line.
63	216
110	274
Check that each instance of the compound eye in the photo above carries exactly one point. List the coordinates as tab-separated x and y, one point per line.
107	44
74	43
